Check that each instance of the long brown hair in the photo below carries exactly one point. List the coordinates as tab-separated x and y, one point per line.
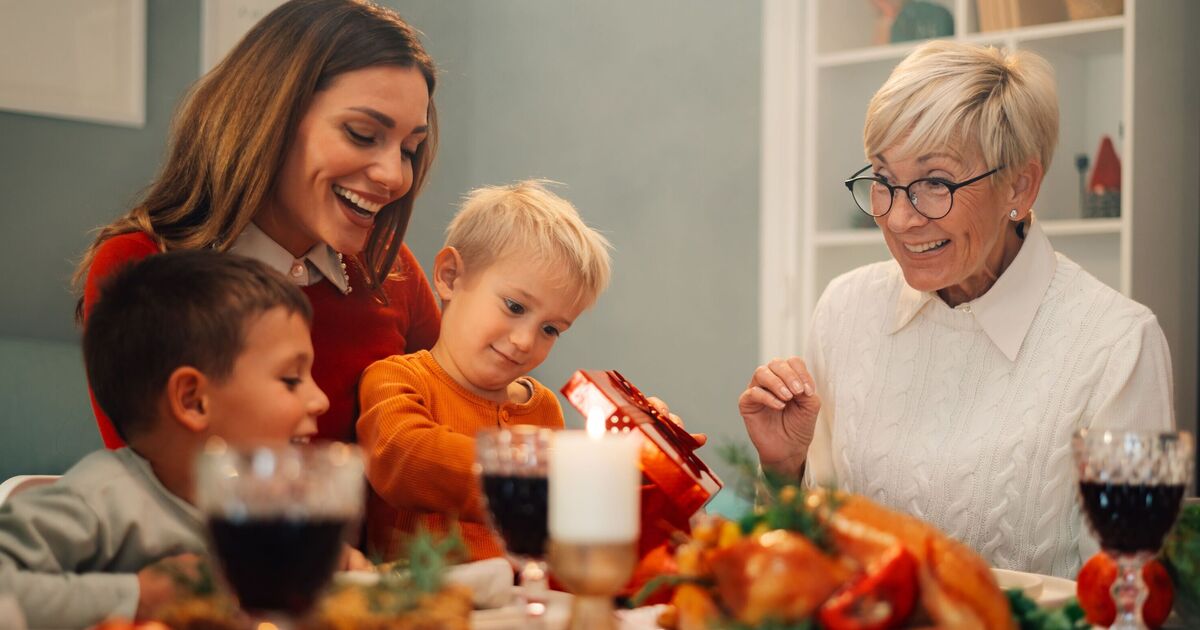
229	138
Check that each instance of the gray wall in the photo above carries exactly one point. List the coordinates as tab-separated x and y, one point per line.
60	179
647	112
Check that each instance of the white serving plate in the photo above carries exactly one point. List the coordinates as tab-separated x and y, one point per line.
1030	583
1051	592
512	615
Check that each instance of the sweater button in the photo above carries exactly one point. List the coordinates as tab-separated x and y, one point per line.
503	416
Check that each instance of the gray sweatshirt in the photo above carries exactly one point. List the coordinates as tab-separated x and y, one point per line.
70	551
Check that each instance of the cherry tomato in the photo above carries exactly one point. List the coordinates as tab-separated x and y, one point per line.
1094	590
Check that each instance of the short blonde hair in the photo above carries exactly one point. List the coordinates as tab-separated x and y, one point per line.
526	217
948	94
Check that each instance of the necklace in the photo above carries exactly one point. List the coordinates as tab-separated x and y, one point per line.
345	276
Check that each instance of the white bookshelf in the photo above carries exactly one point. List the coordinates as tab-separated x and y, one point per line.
1131	77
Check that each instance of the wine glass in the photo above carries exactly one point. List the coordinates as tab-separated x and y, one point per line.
512	465
278	517
1132	484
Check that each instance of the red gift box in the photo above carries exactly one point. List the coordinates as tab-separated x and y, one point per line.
679	483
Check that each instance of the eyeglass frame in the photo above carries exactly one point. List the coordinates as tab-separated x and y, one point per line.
892	188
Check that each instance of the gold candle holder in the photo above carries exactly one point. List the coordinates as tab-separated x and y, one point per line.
595	573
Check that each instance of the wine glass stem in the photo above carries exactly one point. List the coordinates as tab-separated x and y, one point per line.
278	621
1129	591
535	587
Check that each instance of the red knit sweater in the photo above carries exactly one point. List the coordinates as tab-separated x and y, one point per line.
349	332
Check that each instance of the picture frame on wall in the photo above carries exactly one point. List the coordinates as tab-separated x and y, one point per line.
75	59
224	22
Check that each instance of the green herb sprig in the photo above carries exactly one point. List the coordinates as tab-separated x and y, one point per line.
779	504
418	573
1030	617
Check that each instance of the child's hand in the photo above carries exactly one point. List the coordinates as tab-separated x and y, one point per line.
666	411
353	560
167	580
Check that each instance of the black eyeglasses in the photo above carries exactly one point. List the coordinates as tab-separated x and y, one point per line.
933	197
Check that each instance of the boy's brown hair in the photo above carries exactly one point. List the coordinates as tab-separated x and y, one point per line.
170	310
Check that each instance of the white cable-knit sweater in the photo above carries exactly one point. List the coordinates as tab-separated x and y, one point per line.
924	412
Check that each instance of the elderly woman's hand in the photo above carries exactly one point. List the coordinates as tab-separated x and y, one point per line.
780	407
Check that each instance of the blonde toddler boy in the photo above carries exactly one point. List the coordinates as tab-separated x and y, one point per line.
518	268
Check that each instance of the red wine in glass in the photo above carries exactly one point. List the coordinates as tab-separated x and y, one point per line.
1131	518
277	564
520	508
1131	484
278	516
512	466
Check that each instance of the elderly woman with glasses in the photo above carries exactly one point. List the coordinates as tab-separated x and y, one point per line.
947	382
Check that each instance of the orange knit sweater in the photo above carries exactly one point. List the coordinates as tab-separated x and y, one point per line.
417	429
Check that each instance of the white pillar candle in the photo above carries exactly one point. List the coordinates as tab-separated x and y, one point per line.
595	485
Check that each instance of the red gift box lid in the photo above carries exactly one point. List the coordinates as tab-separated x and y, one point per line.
668	453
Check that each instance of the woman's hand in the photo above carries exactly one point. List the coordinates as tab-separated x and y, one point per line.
780	407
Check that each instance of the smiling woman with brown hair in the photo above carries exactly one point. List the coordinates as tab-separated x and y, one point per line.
304	148
946	383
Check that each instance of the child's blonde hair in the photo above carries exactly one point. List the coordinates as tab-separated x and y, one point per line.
526	217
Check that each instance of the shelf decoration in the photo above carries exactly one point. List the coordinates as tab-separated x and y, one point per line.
905	20
1103	197
1087	9
922	20
888	10
999	15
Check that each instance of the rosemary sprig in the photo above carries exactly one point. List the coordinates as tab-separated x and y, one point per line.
659	581
751	481
418	574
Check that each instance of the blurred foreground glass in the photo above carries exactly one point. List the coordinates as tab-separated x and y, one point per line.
1132	485
277	518
512	465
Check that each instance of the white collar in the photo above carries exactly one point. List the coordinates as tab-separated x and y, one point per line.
321	260
1006	311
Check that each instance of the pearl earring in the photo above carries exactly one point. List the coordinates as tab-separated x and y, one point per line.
1013	214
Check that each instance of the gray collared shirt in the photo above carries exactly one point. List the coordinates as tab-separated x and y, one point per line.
70	551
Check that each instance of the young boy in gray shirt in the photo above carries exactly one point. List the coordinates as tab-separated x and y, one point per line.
179	347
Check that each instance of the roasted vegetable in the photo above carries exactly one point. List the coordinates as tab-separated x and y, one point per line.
882	598
1093	588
